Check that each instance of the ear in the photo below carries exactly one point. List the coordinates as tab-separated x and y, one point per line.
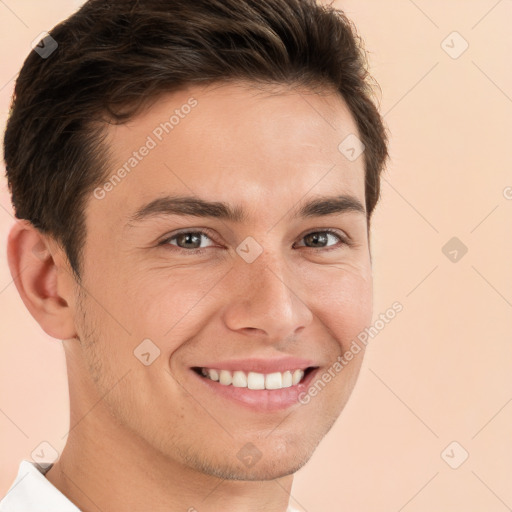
40	272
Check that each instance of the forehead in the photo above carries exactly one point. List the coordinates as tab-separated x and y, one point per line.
234	144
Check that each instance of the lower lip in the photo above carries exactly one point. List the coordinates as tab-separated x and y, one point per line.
260	400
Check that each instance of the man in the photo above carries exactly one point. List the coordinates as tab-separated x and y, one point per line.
194	183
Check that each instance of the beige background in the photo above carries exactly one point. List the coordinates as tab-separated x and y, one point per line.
440	371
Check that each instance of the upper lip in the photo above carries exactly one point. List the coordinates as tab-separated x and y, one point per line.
268	365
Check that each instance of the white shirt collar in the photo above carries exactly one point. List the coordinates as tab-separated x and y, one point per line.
33	492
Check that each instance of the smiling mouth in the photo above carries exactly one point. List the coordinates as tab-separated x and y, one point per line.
255	380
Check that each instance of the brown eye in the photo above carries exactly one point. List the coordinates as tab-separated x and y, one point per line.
188	241
316	239
320	239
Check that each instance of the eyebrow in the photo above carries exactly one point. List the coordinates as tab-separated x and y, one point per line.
193	206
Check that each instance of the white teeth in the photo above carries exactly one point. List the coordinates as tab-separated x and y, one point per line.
274	381
287	379
255	380
225	377
239	380
297	376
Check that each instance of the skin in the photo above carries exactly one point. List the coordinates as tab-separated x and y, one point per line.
153	437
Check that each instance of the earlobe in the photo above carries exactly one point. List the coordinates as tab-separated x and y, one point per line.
43	284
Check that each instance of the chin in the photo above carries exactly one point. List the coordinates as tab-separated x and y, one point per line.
261	471
276	460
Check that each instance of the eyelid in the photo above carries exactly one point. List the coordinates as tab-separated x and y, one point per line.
205	232
344	239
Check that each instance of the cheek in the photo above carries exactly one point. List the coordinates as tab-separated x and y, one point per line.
343	303
167	305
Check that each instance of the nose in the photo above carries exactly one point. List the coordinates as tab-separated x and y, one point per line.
265	302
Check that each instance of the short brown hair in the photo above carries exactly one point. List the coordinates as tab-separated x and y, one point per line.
112	54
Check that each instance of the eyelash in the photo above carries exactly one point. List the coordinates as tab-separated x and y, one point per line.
343	240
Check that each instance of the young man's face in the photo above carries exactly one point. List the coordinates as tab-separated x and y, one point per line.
305	296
